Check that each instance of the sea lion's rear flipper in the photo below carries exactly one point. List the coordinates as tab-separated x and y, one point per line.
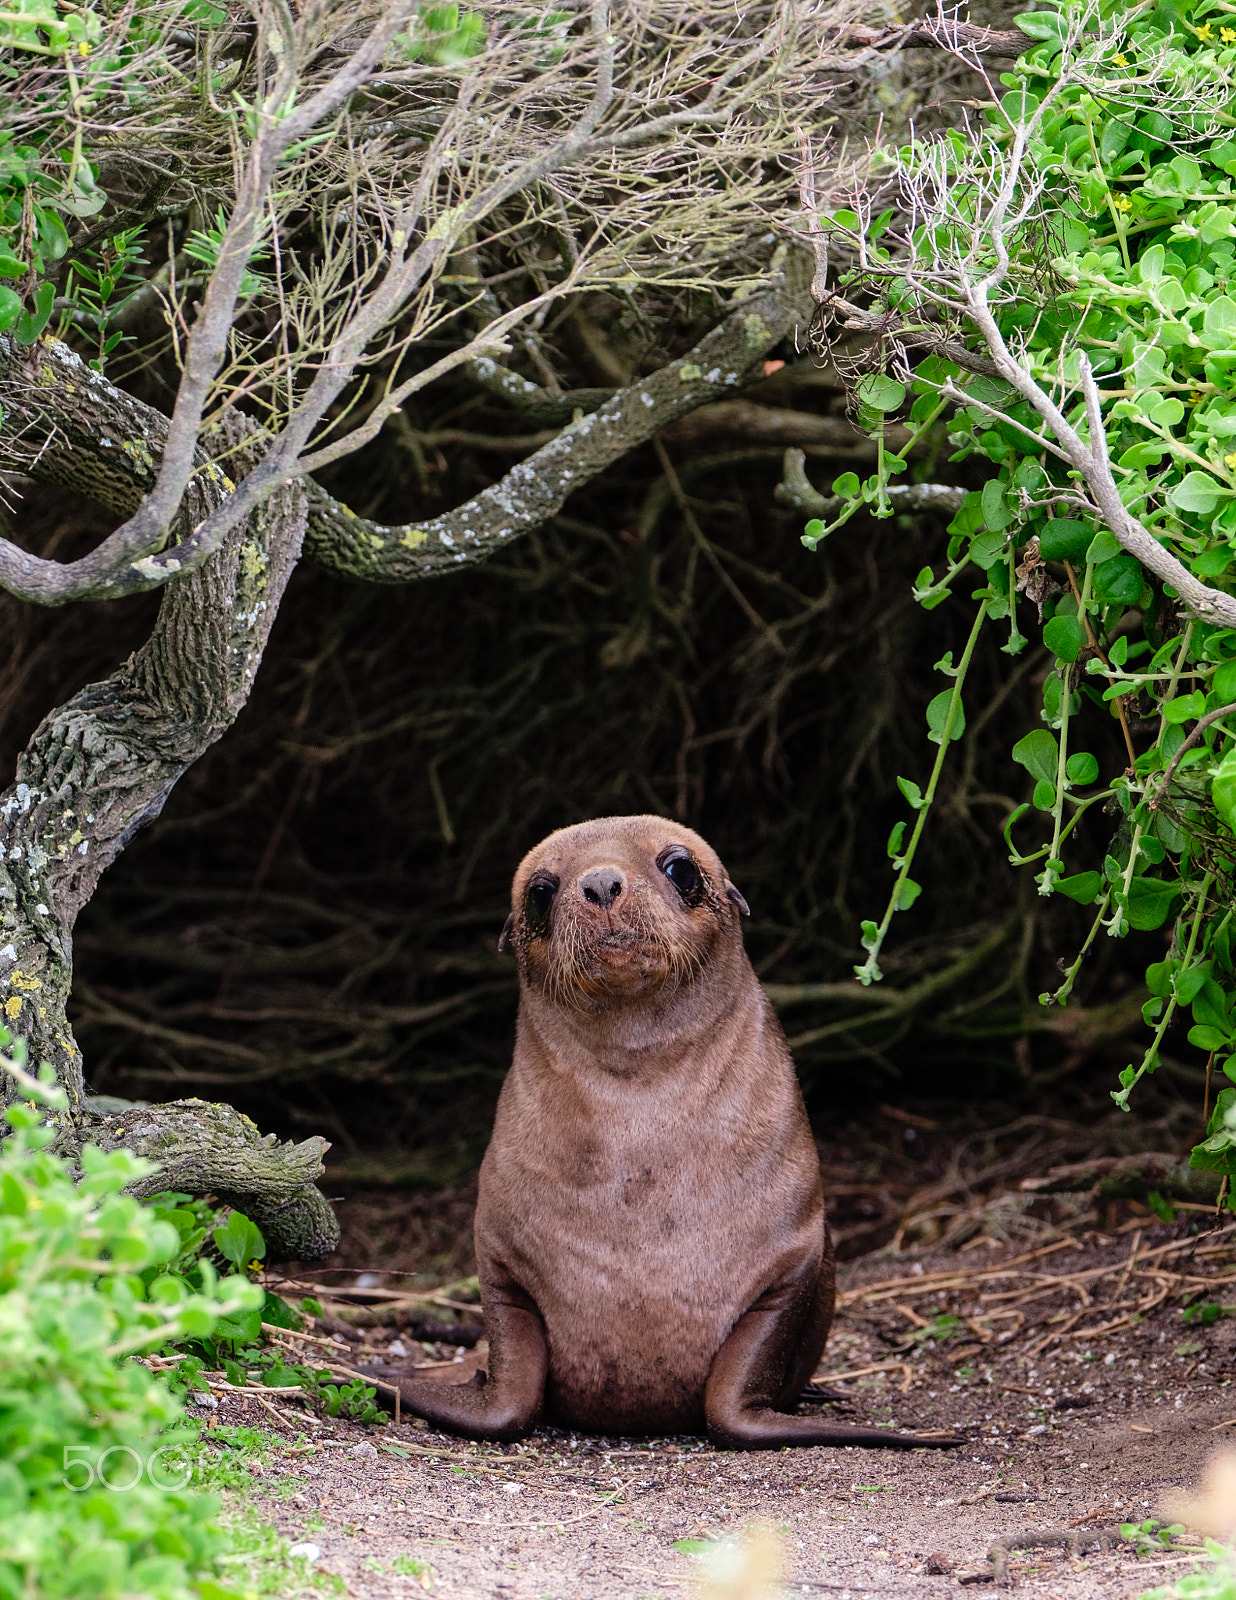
757	1370
503	1406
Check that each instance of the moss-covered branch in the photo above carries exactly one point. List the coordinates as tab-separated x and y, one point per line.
534	490
203	1148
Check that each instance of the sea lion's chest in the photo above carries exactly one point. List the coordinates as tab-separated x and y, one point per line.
643	1228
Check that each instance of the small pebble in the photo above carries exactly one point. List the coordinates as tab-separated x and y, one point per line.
310	1552
364	1448
397	1348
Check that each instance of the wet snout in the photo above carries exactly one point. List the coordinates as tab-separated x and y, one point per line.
603	886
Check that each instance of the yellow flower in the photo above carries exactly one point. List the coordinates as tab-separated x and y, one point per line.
1230	462
1195	399
1228	35
1205	32
1122	203
1120	61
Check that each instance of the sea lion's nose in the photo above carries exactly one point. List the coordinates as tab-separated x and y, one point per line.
602	886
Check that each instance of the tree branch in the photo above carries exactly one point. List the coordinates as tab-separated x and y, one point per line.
1092	462
944	33
534	400
122	562
795	489
205	1148
535	489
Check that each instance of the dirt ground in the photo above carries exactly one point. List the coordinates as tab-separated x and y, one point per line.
1061	1355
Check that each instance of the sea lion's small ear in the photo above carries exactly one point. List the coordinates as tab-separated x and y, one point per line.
508	928
737	897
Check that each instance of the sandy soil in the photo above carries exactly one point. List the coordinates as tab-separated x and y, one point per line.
1063	1358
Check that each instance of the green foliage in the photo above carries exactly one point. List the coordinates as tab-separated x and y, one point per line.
1219	1583
204	244
240	1241
444	36
1207	1311
1151	1535
95	279
96	1455
93	1446
1116	123
410	1567
51	146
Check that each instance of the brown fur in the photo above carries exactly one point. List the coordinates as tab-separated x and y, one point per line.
650	1231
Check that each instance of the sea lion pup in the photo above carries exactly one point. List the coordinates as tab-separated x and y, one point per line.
650	1235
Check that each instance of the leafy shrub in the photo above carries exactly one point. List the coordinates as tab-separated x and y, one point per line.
1089	226
92	1444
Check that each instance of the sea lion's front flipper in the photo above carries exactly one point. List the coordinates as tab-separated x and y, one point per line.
508	1402
757	1370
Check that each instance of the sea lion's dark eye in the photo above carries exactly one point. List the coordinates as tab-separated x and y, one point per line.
539	898
683	873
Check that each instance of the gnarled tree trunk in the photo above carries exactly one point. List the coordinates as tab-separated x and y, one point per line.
102	765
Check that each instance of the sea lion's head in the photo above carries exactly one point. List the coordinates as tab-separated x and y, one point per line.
618	910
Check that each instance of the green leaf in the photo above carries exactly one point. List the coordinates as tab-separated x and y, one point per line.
13	1199
239	1241
1150	901
1166	413
10	266
245	1328
1119	581
1049	25
908	894
1103	547
1197	492
1209	1004
10	307
1044	797
1083	887
31	323
1219	322
912	793
847	486
1149	366
1081	768
1184	707
1223	788
1156	125
1207	1038
880	392
1039	753
1063	637
1064	540
1212	563
895	838
694	1547
1150	264
279	1313
937	716
996	513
